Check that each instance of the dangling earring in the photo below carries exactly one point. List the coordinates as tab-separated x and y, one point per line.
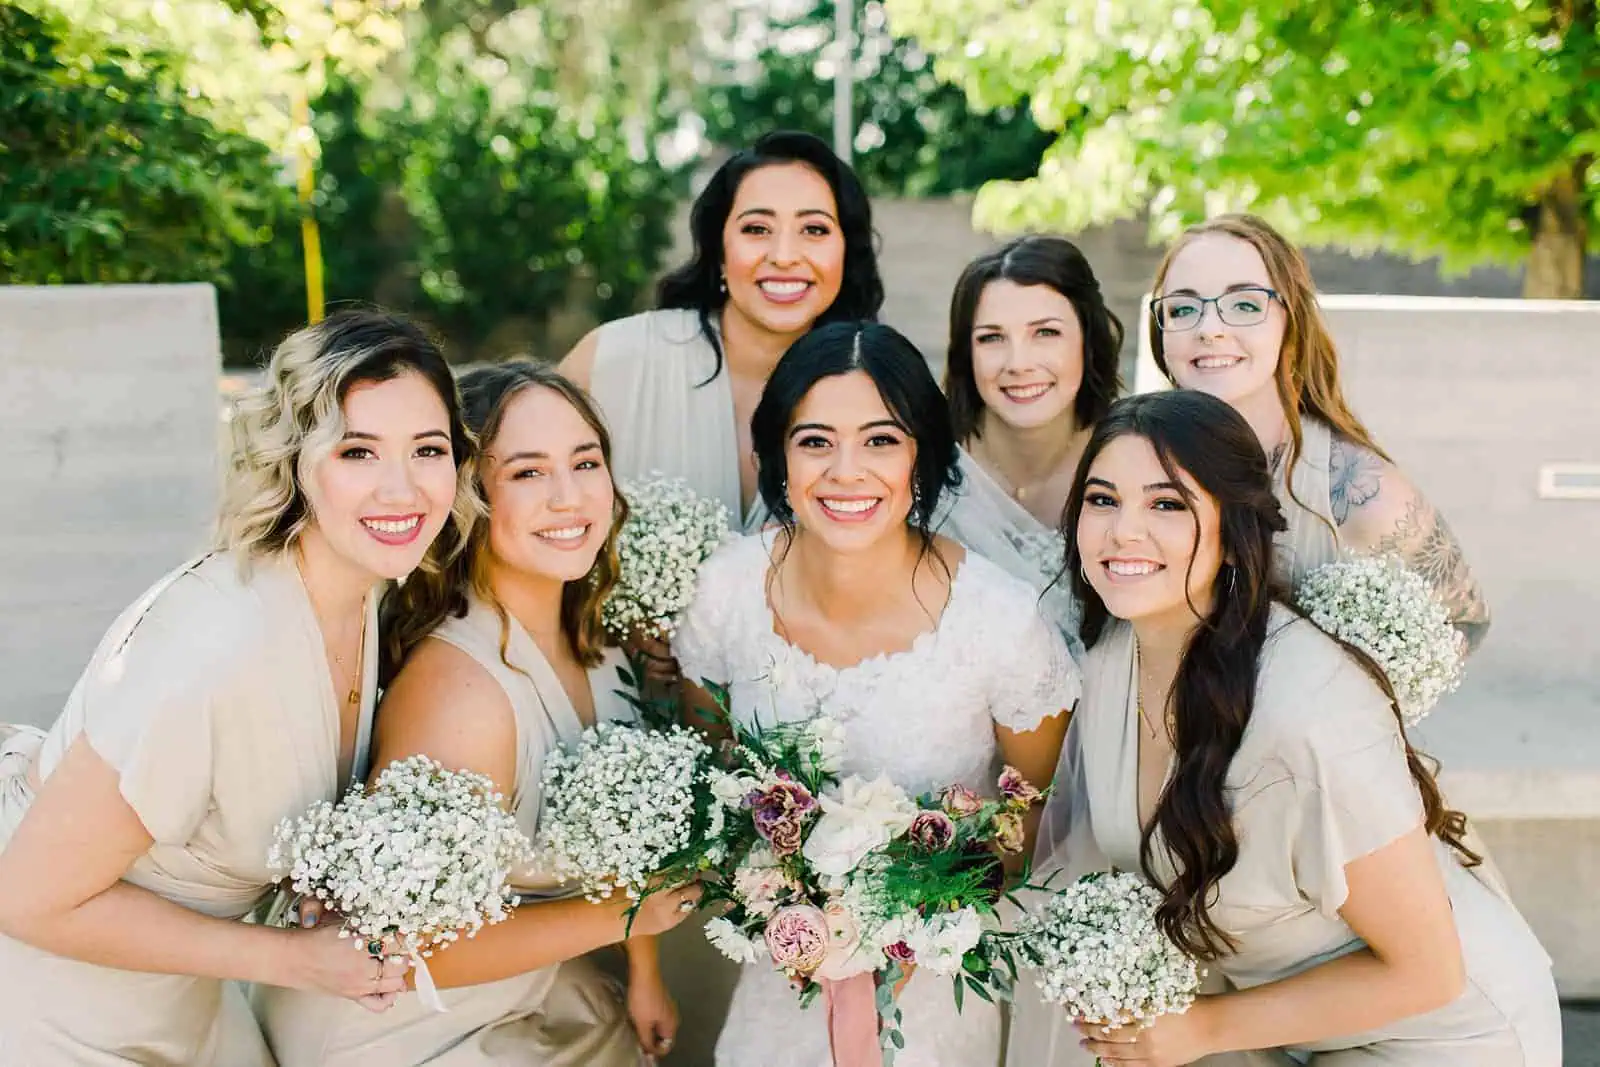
916	501
1233	577
722	285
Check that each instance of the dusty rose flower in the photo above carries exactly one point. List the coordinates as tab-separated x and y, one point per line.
1008	831
780	811
900	952
932	831
960	801
797	937
1017	789
760	882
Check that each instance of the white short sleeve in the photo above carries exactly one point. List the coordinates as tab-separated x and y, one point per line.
711	629
1034	676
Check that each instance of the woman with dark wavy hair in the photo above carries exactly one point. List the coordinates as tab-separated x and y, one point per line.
1258	774
782	241
490	663
936	662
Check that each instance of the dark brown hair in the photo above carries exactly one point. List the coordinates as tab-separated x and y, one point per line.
1214	693
1034	260
426	600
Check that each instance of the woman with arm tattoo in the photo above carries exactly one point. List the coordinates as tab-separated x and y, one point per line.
1235	316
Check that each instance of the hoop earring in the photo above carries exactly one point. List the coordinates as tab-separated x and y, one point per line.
1233	578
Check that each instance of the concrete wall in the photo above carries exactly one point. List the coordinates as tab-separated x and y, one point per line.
109	400
1474	398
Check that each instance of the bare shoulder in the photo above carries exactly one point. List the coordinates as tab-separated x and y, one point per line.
578	364
445	705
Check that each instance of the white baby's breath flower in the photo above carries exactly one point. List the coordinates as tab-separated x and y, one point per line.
1097	951
669	533
619	803
732	942
1389	611
426	854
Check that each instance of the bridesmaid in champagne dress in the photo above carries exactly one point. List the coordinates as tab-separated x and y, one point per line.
1235	315
234	693
503	659
1256	772
782	240
1032	366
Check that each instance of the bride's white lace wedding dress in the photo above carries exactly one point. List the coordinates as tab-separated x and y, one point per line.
925	717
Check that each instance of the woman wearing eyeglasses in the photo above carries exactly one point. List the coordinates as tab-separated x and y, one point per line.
1236	316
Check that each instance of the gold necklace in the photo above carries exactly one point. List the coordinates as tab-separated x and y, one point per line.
1138	695
354	696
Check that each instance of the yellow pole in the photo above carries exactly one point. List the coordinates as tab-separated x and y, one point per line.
309	236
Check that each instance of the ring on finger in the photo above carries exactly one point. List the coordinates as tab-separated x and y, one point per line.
375	949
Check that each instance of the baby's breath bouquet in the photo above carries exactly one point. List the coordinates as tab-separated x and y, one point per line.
1388	611
627	808
424	856
1098	953
670	531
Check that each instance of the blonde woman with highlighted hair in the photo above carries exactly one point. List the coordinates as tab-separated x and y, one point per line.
495	661
234	693
1235	315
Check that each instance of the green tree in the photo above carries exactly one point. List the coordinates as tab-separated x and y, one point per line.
106	175
914	134
1467	130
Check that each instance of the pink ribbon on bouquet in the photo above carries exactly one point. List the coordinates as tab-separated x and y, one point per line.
853	1021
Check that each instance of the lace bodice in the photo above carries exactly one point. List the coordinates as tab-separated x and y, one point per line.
925	716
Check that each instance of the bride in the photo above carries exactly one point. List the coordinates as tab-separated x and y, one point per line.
936	661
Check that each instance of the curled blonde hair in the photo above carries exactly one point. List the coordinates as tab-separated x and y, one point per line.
282	428
419	606
1308	363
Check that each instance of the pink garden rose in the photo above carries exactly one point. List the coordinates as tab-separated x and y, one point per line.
1017	789
932	831
797	937
960	801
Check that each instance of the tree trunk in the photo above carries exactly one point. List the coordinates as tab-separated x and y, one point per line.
1560	239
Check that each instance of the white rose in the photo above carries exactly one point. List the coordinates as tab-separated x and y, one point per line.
828	734
731	789
732	941
944	938
856	819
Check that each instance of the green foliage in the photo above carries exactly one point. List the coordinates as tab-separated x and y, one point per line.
1431	128
482	206
105	173
914	135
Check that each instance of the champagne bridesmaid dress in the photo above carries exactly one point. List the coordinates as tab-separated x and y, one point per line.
566	1015
1319	780
211	698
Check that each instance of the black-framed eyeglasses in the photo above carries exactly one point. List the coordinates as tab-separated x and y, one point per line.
1237	307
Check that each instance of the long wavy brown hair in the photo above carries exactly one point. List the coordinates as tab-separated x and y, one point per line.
425	600
1214	693
1308	364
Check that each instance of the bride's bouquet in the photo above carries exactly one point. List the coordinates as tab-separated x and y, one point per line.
425	856
670	531
843	883
1389	611
629	809
1099	954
